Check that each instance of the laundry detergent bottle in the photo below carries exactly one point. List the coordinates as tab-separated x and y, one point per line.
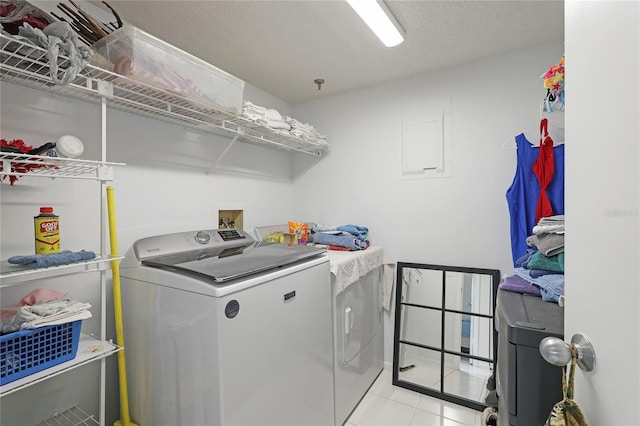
47	231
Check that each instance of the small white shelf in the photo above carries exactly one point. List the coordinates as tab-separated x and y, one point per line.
89	349
27	65
55	167
72	416
11	274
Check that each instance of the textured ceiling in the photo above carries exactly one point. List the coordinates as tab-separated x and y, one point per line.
282	46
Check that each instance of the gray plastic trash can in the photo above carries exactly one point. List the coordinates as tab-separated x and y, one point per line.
527	385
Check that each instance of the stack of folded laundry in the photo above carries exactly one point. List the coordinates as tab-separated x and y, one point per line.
305	131
548	235
346	237
541	270
273	119
252	111
264	116
40	308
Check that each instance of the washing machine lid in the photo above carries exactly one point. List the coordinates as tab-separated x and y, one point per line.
227	260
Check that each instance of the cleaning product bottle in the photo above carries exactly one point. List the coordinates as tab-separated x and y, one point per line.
67	146
47	230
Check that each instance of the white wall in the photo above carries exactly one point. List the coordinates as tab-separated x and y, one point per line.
460	220
602	204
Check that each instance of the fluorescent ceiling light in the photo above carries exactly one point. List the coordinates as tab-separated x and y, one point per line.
379	18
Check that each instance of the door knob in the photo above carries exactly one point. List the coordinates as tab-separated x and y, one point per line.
557	352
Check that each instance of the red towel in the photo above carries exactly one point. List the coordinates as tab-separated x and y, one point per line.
543	168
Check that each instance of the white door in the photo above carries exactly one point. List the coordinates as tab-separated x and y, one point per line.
602	41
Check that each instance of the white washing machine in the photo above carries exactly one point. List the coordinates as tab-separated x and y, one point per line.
358	340
221	330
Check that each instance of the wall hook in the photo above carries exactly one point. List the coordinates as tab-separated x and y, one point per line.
557	352
319	82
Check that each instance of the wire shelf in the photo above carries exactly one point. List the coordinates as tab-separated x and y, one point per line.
90	349
11	274
71	416
27	65
12	164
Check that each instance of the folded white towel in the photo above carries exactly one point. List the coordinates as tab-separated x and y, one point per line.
59	319
249	106
548	229
56	311
272	114
306	135
274	124
297	134
59	312
291	121
552	220
302	130
252	116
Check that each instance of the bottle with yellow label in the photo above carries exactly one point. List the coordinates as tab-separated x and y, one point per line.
47	230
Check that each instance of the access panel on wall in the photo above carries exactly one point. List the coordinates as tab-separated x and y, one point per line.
426	143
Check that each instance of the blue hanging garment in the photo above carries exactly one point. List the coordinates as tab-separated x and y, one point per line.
522	195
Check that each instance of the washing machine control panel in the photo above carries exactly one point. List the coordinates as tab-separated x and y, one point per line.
163	245
230	234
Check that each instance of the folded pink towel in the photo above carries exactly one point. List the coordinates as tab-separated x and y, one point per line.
39	295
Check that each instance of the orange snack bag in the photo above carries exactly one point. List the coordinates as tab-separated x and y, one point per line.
300	230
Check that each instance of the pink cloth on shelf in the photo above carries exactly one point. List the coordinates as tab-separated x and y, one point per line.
36	296
41	295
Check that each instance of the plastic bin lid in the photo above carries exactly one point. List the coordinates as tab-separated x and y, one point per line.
528	319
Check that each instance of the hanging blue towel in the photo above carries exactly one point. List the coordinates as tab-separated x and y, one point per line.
43	260
360	232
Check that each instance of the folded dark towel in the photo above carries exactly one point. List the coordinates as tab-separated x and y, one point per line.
526	257
547	263
535	273
341	239
361	232
518	284
42	260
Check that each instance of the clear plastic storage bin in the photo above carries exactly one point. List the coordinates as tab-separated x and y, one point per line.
143	57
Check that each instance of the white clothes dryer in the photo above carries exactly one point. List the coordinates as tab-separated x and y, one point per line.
358	340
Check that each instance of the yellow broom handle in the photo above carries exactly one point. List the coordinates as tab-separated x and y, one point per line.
117	308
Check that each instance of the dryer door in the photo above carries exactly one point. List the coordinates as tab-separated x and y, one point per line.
359	317
358	342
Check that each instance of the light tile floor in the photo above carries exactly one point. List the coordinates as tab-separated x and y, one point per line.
467	381
388	405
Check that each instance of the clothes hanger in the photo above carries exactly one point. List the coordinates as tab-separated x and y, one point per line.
511	142
554	119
